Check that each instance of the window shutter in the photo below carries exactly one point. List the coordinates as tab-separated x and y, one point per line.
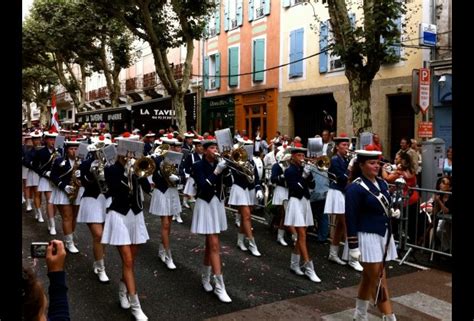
218	71
218	17
286	3
240	12
297	48
397	47
233	66
205	73
251	10
258	59
266	7
323	43
226	15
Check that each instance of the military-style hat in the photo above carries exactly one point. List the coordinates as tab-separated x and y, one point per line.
363	155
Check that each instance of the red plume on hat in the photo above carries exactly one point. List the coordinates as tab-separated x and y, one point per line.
170	136
210	137
126	134
343	135
52	130
246	138
101	137
298	144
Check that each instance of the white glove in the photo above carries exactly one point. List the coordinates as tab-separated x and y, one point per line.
395	213
186	175
220	167
355	253
259	195
174	178
306	171
47	174
77	173
68	189
95	163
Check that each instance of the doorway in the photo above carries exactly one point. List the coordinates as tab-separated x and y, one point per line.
256	120
402	121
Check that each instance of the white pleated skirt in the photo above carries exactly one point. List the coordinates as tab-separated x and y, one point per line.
32	178
335	202
298	212
45	185
59	197
190	188
24	172
372	247
280	194
92	210
209	218
124	229
166	204
239	196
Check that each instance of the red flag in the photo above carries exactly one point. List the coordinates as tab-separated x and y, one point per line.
54	114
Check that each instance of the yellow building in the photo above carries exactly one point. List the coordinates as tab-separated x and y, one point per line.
315	90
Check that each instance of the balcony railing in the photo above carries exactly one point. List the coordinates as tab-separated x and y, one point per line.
149	80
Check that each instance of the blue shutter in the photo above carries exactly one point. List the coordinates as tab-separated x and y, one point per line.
352	18
296	52
251	9
240	12
323	43
218	17
218	70
286	3
205	79
266	7
226	15
233	66
258	59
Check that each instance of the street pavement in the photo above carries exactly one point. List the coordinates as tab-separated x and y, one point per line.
261	288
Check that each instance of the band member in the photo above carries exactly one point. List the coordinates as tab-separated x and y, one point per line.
188	141
65	175
125	226
93	203
244	194
369	232
25	163
190	187
42	163
32	179
280	195
298	211
335	201
149	140
209	217
165	202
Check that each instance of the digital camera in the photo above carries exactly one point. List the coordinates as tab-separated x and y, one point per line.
38	249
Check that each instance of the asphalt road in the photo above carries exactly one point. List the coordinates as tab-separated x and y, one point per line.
178	294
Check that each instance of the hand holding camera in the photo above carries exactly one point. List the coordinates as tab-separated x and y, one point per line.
55	256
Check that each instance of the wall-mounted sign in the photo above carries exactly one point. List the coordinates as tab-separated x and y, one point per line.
427	34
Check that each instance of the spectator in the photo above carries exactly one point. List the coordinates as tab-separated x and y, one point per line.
443	205
448	162
34	302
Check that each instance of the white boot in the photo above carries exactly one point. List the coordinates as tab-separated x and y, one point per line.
99	270
39	215
178	218
23	200
219	289
161	253
206	278
360	313
333	256
28	204
295	264
169	260
52	226
355	265
136	308
389	317
253	247
185	202
69	243
237	219
240	242
308	268
123	297
281	237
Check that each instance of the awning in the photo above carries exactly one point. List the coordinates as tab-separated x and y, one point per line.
105	115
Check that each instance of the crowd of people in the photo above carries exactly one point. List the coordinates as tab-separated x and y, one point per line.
108	195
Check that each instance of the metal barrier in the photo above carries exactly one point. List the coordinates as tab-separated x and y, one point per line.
423	226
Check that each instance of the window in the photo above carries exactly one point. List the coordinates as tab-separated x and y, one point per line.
296	53
258	59
334	61
212	71
233	14
258	9
288	3
69	114
213	26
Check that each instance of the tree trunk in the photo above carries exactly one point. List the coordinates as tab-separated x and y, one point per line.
178	106
28	114
45	115
359	91
115	92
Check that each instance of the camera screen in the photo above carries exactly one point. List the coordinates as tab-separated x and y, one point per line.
38	249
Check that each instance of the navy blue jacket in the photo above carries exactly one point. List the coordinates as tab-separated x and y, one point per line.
278	177
88	180
148	149
122	199
364	213
339	168
58	309
189	161
61	173
242	181
42	161
159	181
26	155
297	185
208	184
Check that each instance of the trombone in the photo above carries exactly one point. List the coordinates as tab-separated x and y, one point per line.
238	165
320	164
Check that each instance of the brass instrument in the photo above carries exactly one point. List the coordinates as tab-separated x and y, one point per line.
317	170
166	170
98	171
321	162
237	159
144	166
74	182
161	150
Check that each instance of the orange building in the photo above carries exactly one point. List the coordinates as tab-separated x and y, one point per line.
243	38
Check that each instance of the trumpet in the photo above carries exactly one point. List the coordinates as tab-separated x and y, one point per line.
237	160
